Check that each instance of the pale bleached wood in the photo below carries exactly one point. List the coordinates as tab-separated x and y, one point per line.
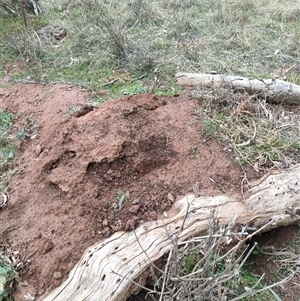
275	197
274	90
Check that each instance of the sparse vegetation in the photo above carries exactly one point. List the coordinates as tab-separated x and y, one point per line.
149	42
7	155
7	148
214	267
122	197
9	134
6	277
129	47
256	132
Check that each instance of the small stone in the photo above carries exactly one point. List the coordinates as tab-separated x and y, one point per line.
130	225
57	275
46	246
107	178
114	206
72	154
135	201
152	216
118	226
41	291
171	197
134	209
38	150
106	232
105	223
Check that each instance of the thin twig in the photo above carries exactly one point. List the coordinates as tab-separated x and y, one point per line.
165	275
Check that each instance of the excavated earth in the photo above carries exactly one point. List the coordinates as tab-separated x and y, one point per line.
86	171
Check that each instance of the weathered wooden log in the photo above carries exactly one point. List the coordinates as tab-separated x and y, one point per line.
106	270
274	90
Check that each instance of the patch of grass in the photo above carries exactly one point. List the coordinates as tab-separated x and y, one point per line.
249	280
132	87
5	177
27	130
170	89
6	277
282	259
257	133
10	25
103	39
190	260
7	148
213	125
6	121
257	250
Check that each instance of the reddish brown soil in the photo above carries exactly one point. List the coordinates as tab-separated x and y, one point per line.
72	166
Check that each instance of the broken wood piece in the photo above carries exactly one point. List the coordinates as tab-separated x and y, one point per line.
273	90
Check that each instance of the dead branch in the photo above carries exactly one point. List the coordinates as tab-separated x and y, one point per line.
273	90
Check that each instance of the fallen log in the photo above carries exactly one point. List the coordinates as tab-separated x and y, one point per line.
273	90
107	269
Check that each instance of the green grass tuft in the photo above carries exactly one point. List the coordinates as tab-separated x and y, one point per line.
7	148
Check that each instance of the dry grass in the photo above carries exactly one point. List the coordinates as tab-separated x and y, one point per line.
138	37
13	263
260	134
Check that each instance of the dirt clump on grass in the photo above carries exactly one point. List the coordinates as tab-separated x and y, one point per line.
88	171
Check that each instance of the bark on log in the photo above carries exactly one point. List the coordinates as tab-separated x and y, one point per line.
97	275
274	90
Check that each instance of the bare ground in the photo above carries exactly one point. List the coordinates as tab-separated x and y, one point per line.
74	165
